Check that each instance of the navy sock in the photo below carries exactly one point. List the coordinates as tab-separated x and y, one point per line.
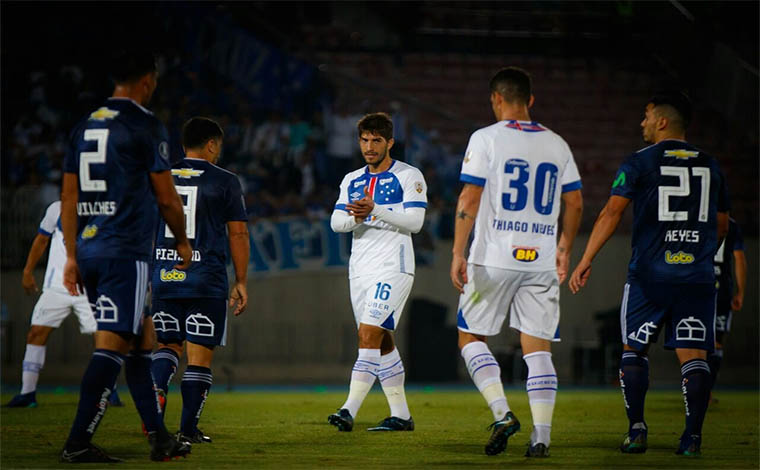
195	387
163	368
714	360
97	384
143	392
634	382
695	386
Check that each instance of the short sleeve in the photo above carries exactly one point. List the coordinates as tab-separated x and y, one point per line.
571	178
738	238
415	189
50	220
475	163
625	180
340	204
235	201
158	155
723	203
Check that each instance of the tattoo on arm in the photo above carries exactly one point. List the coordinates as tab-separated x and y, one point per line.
464	215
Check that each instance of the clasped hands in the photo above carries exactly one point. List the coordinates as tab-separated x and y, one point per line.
362	208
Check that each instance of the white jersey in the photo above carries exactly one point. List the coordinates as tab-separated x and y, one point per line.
51	226
377	246
523	168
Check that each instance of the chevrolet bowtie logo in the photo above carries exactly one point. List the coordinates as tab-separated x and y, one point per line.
681	154
104	113
186	173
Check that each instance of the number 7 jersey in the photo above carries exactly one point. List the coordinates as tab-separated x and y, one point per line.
677	191
523	168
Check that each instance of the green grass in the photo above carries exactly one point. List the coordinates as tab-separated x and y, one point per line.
289	430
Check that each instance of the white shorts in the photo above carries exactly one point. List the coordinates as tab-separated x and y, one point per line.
379	300
53	307
531	297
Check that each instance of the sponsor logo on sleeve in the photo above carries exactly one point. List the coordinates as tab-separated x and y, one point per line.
619	181
163	150
418	186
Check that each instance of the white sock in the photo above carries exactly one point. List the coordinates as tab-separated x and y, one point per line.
486	374
391	375
34	359
542	392
362	377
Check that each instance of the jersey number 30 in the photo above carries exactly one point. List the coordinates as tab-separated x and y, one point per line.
515	198
664	214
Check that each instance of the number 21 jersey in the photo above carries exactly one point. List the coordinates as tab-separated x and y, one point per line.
677	191
523	168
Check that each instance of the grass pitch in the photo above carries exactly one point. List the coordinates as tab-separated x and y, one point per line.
289	430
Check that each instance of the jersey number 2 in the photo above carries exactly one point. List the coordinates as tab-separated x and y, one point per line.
87	158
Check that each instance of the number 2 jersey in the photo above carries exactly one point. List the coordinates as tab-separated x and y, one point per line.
523	168
211	197
677	191
113	151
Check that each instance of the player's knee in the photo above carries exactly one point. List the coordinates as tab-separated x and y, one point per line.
37	335
370	337
467	338
176	347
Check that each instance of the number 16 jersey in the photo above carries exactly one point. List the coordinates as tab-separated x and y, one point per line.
523	168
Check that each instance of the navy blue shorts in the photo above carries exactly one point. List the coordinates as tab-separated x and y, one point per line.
198	320
116	289
687	311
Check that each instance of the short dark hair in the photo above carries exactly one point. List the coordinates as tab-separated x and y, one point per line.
676	106
129	65
376	123
199	130
513	84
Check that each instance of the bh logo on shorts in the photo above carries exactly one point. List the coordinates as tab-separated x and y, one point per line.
199	324
644	332
691	329
165	322
105	310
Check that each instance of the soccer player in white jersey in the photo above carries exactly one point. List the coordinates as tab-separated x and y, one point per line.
53	306
382	203
515	173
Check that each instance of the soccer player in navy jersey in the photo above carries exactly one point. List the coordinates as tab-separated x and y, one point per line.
116	179
680	206
729	300
190	305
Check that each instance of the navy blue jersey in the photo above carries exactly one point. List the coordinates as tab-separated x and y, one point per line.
211	197
677	191
724	260
113	151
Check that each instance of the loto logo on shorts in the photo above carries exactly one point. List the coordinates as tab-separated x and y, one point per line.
525	254
678	258
173	275
89	232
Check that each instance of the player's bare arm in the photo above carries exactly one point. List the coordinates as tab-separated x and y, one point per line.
72	279
170	205
467	209
240	252
571	220
604	227
740	278
39	245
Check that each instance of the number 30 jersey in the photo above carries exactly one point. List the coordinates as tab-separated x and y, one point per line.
677	191
113	151
523	168
211	197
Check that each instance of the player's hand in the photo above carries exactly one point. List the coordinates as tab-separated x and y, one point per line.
737	302
580	276
239	296
563	266
185	251
72	279
28	283
458	272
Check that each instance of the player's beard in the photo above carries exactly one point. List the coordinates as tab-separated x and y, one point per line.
380	161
